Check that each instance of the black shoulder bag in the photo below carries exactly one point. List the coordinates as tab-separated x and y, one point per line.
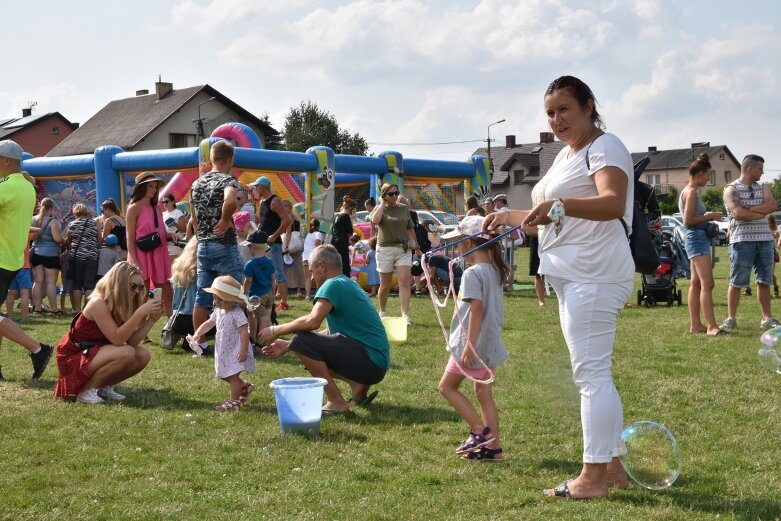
640	242
150	241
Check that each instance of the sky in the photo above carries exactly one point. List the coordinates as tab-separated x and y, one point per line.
407	73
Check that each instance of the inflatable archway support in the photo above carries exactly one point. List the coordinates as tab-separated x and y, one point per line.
394	172
481	181
107	176
320	185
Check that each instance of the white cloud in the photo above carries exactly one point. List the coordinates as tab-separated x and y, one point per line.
215	19
48	98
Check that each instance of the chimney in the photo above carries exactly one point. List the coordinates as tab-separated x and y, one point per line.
546	137
701	144
27	112
162	89
652	149
142	92
509	141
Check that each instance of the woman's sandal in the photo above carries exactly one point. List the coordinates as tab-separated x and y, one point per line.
230	405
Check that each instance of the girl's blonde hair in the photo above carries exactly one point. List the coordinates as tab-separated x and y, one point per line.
80	210
114	289
184	268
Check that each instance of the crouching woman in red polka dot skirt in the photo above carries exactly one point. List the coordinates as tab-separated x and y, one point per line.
102	347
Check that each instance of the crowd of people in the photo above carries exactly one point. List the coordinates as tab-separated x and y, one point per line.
220	272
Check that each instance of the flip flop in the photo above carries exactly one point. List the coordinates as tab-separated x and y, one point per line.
366	400
334	412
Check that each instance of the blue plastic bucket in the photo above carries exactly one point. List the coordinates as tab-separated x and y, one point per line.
299	404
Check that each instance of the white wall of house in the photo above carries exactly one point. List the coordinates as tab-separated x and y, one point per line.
182	123
724	169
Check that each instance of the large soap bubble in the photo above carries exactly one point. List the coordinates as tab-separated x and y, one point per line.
653	458
254	303
769	352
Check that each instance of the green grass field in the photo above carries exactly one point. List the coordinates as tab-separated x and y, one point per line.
165	454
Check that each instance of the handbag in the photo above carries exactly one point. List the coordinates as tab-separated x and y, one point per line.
712	230
150	241
168	339
296	244
640	243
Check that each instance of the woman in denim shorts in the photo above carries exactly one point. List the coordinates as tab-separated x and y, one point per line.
698	247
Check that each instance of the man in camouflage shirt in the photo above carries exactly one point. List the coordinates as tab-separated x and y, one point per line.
213	202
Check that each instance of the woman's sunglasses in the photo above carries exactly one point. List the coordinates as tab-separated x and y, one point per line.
392	194
136	288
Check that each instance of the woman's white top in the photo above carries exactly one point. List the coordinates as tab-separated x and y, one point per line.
585	250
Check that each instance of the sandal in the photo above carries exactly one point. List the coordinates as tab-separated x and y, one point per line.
246	389
562	490
58	313
476	442
484	454
230	405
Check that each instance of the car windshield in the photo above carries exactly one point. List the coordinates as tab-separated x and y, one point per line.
446	218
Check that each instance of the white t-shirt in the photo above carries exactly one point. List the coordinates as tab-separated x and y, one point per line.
310	242
174	214
588	251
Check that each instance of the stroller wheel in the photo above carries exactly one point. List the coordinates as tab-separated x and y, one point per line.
650	302
680	297
639	297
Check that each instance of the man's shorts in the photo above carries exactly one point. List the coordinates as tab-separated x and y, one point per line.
343	355
6	279
275	253
389	257
215	259
747	254
22	280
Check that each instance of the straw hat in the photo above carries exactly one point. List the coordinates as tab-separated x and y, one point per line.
227	288
146	177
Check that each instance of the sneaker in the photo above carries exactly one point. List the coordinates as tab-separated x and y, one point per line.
41	360
89	396
476	441
109	394
383	314
729	324
770	322
409	320
282	307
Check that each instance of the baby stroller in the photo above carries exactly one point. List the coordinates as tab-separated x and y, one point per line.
660	286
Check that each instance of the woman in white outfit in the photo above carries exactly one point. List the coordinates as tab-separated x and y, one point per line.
585	256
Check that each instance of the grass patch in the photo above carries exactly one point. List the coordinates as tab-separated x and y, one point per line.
164	454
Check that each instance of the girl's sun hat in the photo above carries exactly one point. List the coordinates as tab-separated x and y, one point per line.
471	225
228	289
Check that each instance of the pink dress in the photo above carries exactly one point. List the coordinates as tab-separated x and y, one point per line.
227	343
156	264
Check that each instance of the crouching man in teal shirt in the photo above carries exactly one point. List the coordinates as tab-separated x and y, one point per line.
354	348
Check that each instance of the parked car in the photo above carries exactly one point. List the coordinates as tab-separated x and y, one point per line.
723	225
670	223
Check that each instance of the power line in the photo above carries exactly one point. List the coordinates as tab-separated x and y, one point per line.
429	144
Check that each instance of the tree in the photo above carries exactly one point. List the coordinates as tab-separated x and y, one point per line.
668	203
307	125
271	141
775	189
713	199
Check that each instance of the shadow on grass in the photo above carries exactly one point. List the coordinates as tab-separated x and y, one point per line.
391	414
706	502
148	398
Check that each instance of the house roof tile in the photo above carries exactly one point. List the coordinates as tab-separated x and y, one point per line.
502	157
126	122
679	157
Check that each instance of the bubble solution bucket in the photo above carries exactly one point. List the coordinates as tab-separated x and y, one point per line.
299	404
396	329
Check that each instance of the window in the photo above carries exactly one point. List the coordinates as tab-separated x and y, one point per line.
712	178
518	176
182	140
728	176
721	156
654	179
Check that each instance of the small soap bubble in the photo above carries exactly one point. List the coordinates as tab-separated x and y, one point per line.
653	458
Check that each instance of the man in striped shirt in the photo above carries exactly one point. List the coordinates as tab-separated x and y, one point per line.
748	204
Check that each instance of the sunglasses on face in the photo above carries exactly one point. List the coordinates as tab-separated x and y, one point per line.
137	288
392	194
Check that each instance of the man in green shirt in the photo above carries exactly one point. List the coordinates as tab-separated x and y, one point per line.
17	205
356	347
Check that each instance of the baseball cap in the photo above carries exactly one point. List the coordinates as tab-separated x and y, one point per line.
10	149
111	240
501	197
256	237
262	181
471	225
